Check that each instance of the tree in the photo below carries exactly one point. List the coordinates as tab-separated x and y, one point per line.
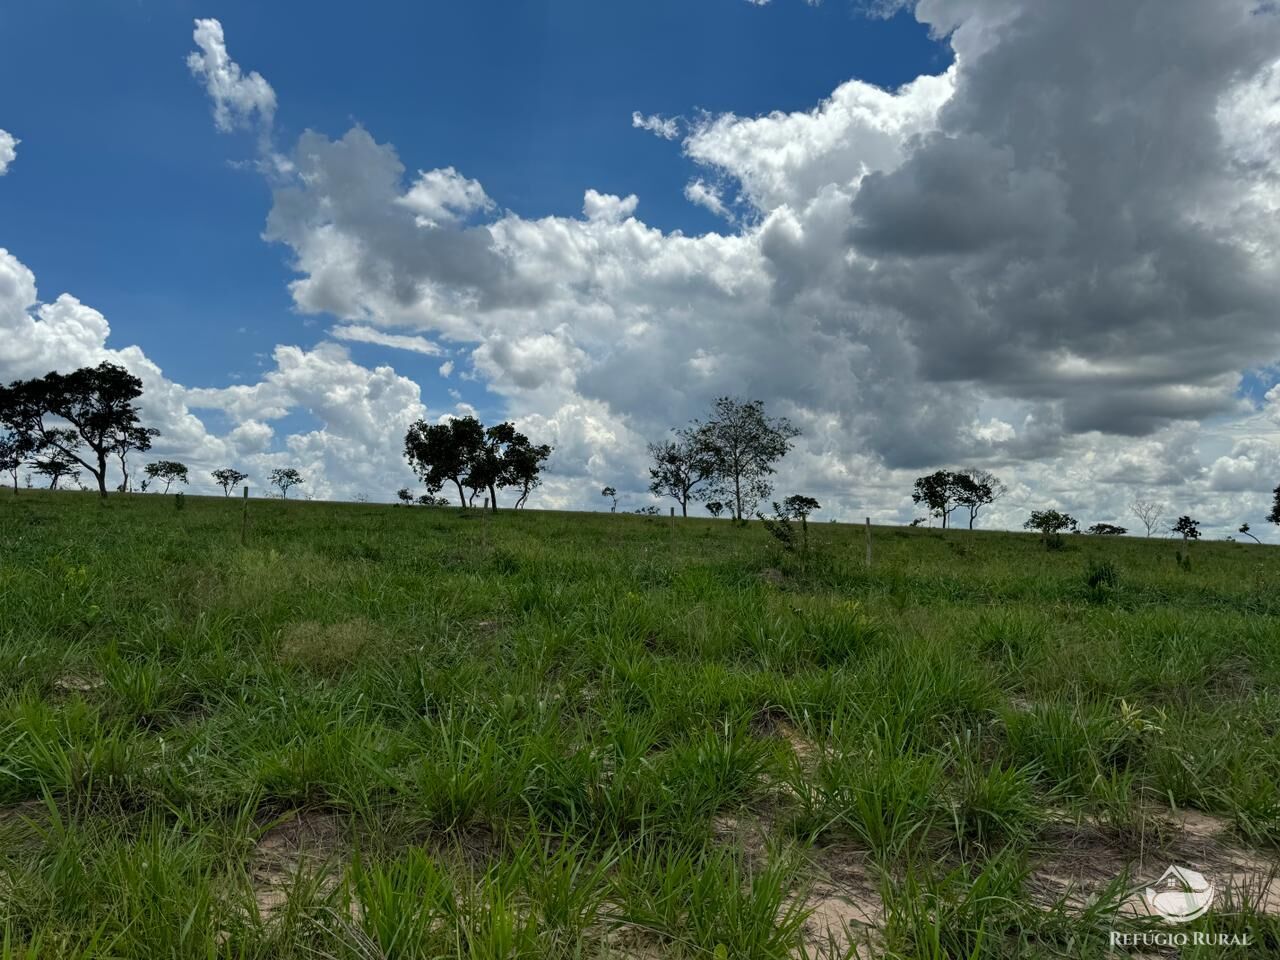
228	479
795	507
97	403
612	494
1050	524
13	454
18	443
714	507
1149	512
938	491
170	471
975	488
523	462
680	466
1244	528
1188	528
284	478
742	444
127	440
444	452
405	496
55	466
1107	530
1274	515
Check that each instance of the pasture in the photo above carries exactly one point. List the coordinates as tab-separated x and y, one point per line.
377	732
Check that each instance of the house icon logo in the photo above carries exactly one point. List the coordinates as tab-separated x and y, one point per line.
1180	895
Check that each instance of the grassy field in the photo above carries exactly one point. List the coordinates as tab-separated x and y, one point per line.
412	733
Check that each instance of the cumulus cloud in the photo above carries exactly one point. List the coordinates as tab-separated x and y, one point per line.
8	150
239	99
443	197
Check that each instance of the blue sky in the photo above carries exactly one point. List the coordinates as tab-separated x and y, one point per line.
130	198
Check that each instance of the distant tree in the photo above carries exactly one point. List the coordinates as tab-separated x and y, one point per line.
127	440
170	471
463	452
1244	528
507	458
714	507
1274	515
12	456
1107	530
431	500
743	443
522	467
652	510
18	440
228	479
1149	512
612	494
405	496
1188	528
1050	524
975	488
918	522
56	465
680	466
939	491
442	453
97	403
285	477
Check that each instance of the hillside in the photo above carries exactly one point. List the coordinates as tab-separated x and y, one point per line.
377	731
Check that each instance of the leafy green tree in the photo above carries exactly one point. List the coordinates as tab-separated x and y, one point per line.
285	477
939	491
56	465
1188	528
1244	528
742	443
612	494
97	403
1274	515
170	471
974	488
228	479
1107	530
129	439
522	466
1050	524
680	466
714	507
444	452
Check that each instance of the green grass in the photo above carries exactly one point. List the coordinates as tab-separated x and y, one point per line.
588	735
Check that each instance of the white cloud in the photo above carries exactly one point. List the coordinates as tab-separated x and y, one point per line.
444	197
365	334
8	150
666	127
608	208
237	97
707	195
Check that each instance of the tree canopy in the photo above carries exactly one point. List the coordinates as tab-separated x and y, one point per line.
742	443
90	407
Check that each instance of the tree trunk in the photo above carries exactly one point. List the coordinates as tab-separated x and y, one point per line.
462	497
684	506
101	475
493	499
737	494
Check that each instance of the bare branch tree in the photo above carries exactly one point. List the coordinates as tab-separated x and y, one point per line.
1149	512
